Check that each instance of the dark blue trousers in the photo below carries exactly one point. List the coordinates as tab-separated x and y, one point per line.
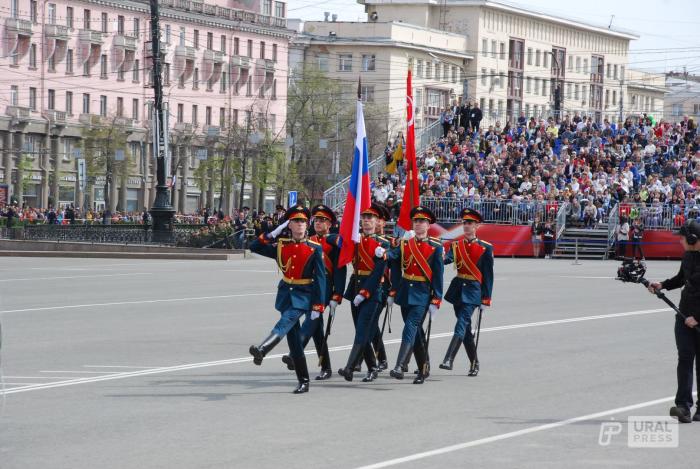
289	325
688	345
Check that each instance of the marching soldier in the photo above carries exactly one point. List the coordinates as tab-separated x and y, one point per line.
302	288
388	299
365	291
323	218
417	269
470	289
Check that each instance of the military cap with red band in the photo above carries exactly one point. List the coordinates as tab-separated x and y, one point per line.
469	214
422	213
323	211
298	212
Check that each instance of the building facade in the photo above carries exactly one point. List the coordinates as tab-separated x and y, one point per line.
682	97
73	68
524	60
645	94
381	54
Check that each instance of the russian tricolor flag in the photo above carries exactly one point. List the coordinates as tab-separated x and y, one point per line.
358	194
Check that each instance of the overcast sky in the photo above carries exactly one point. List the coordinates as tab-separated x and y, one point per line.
668	29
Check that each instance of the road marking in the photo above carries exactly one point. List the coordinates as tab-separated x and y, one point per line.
39	377
77	372
119	303
121	366
509	435
231	361
73	276
583	276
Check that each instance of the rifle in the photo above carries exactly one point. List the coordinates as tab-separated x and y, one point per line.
331	316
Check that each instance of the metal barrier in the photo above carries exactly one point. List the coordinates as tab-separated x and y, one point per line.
657	216
613	223
561	219
492	210
117	234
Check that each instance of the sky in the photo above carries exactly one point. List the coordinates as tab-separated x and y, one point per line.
669	36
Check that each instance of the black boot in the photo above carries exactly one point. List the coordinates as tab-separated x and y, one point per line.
404	356
470	347
474	368
287	360
324	374
696	417
371	361
302	375
681	413
423	365
355	354
371	375
260	351
451	353
326	370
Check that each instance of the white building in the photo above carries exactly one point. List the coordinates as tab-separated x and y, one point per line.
522	56
682	98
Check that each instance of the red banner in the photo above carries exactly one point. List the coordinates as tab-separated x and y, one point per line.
411	195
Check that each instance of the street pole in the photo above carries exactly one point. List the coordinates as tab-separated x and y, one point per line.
161	211
620	120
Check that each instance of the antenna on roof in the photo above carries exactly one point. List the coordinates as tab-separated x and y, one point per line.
612	17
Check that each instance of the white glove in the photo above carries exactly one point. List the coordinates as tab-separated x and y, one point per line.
379	252
333	304
409	234
358	299
433	310
276	232
390	301
315	315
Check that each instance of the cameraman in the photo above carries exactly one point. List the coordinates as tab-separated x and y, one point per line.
687	337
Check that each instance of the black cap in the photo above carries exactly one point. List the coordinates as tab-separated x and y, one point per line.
323	211
468	214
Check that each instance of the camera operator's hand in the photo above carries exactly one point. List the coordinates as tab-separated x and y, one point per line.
691	322
654	287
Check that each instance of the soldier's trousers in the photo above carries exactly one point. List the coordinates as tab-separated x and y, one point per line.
688	346
366	315
289	325
314	330
413	318
463	328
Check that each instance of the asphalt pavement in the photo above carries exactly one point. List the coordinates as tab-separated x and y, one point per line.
144	364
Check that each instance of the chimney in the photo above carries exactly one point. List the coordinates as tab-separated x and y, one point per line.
326	14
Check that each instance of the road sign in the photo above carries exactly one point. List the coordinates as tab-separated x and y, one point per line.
292	198
119	155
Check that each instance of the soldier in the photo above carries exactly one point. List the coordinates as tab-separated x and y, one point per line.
324	218
470	289
417	269
302	288
365	291
388	299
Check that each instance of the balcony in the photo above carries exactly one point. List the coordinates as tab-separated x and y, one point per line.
17	36
186	52
57	31
214	56
183	62
125	42
212	131
20	113
125	122
240	61
56	117
90	119
183	127
90	37
18	26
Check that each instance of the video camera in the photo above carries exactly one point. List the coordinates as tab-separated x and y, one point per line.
633	271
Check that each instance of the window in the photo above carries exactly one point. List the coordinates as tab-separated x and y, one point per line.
33	11
279	9
345	62
615	71
167	34
568	91
52	13
103	66
195	39
180	112
120	25
222	117
86	103
576	91
32	56
536	89
367	94
135	109
105	22
483	76
571	64
419	68
503	51
166	74
250	48
545	87
194	114
585	65
484	47
493	49
614	97
69	103
696	109
14	95
583	94
273	94
103	106
502	80
274	52
32	98
210	40
51	100
608	71
437	71
223	82
545	59
622	72
529	55
69	17
182	36
368	62
322	62
454	74
262	49
492	79
195	79
86	19
207	115
86	68
538	55
249	87
445	72
223	43
135	71
120	107
236	46
267	7
528	85
137	28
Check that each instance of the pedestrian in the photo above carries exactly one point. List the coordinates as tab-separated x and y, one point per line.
548	239
302	289
323	219
417	270
623	234
365	292
687	336
475	117
471	288
637	236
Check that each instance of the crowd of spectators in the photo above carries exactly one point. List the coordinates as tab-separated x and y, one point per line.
517	171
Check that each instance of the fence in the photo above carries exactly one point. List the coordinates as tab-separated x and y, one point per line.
118	234
447	210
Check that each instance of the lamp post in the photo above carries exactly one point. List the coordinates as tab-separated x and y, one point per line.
162	211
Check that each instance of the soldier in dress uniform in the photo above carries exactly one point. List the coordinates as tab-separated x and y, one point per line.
323	219
470	289
417	269
302	288
388	299
365	291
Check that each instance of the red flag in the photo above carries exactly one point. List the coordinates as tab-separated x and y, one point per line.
411	196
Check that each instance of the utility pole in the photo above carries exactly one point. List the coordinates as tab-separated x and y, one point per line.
621	117
161	211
